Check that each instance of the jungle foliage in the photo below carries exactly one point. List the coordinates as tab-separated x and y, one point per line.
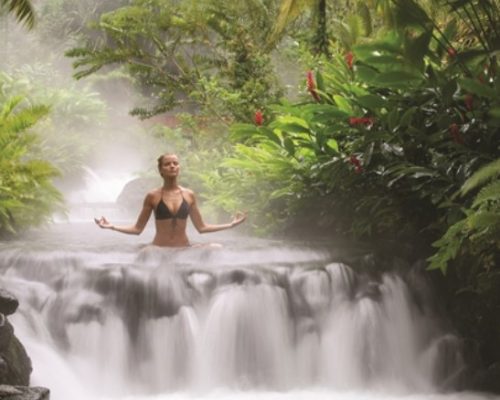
398	142
72	125
27	195
190	55
391	133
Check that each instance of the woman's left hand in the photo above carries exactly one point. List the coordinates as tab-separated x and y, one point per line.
238	218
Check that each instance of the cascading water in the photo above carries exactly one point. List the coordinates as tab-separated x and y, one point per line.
103	318
100	322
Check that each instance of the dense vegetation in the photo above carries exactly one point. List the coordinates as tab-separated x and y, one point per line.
392	136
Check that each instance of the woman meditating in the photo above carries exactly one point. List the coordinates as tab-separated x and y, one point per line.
171	204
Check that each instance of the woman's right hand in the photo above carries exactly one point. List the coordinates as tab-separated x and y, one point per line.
103	223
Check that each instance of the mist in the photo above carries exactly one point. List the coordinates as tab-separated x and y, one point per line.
89	135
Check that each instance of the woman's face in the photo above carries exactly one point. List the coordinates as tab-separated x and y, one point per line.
169	166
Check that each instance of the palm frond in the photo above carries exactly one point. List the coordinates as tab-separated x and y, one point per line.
288	12
22	9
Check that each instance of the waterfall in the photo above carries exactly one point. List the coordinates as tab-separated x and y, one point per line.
98	196
111	321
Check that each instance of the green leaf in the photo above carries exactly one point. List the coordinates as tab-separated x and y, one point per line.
366	73
407	117
416	48
324	112
484	174
448	90
372	102
333	144
482	90
343	104
242	132
393	119
487	194
269	133
409	13
398	79
291	120
384	59
320	83
289	146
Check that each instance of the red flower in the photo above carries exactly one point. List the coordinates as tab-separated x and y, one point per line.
311	85
469	102
258	118
454	131
452	52
367	121
354	160
358	168
349	58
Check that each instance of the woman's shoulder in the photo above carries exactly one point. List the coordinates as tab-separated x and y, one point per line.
187	192
153	193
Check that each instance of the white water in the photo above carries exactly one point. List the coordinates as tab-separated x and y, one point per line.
103	319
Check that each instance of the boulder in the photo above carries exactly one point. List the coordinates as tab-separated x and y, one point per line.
8	303
132	196
6	333
8	392
16	364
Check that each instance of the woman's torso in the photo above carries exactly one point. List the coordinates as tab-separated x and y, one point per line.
171	209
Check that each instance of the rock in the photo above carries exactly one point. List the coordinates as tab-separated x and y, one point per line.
132	195
489	379
16	363
8	303
6	333
8	392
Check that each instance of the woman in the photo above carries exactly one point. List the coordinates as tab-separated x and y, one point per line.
171	205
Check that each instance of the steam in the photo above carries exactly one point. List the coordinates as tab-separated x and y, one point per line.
89	134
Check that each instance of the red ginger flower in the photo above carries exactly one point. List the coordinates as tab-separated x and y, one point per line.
358	168
469	102
349	58
311	85
454	131
354	160
367	121
258	118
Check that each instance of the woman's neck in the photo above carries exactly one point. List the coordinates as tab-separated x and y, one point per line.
170	184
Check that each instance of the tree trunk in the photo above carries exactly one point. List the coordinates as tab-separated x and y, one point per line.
320	41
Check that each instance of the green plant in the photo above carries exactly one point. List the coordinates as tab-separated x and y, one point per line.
27	195
22	9
187	55
478	233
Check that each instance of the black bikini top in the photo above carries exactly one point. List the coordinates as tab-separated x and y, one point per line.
163	212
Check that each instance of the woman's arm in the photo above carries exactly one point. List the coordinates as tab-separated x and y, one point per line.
202	227
140	224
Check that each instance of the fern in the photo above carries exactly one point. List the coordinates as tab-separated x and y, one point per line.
481	226
27	195
490	193
483	175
